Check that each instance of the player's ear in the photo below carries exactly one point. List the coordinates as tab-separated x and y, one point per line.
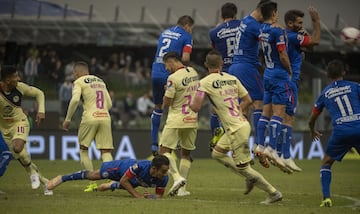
206	64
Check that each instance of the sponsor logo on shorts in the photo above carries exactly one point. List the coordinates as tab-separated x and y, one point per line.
98	114
105	174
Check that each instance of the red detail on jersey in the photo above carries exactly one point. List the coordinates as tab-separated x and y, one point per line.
281	47
159	190
187	49
316	111
129	174
306	40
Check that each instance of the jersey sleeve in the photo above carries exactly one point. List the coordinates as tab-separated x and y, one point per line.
299	39
188	43
319	104
161	185
32	91
133	170
279	39
76	94
170	87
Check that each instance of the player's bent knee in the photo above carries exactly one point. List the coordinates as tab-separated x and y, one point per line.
82	147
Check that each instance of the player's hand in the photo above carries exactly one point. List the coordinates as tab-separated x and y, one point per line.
40	116
315	135
313	14
66	125
148	195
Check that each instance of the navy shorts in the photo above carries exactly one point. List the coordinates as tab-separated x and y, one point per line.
250	77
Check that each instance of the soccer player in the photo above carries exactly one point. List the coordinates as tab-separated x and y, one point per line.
246	65
96	122
298	39
277	78
224	91
342	100
223	40
178	39
127	174
14	124
181	123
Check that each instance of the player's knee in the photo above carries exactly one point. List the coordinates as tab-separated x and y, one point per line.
18	148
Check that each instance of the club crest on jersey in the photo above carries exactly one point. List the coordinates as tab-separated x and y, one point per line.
105	174
281	38
16	99
135	166
169	84
300	37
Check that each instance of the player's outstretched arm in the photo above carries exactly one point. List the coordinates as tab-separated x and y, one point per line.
124	182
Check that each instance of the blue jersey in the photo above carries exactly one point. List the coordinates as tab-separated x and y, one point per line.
295	41
172	39
247	42
139	171
273	39
342	100
223	40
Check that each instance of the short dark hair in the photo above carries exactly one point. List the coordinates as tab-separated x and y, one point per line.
171	55
292	15
184	20
261	2
267	9
160	160
228	10
7	71
81	64
213	59
335	69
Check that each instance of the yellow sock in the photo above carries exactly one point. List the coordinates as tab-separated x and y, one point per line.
85	160
184	167
173	167
106	156
225	160
261	182
25	160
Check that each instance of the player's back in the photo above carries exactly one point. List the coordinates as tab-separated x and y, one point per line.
223	38
181	86
171	39
270	38
224	91
341	99
247	42
95	97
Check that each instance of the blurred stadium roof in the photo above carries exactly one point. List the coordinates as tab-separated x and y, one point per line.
40	22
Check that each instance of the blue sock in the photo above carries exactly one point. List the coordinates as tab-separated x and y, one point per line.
287	134
261	129
214	122
280	142
79	175
155	124
274	131
5	159
256	117
325	178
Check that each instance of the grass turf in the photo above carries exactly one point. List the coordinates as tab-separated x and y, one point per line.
214	189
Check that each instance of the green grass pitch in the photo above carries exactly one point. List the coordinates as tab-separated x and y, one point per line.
214	189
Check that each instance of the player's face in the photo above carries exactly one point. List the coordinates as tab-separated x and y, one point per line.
160	172
297	25
275	16
170	65
13	80
188	28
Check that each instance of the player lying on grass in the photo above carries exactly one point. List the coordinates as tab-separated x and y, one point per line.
125	174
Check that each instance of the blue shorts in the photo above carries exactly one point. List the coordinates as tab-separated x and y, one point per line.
250	77
340	142
158	80
293	99
276	91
